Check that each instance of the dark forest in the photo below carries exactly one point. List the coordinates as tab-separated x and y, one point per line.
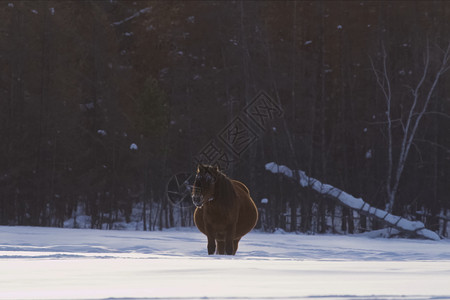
104	103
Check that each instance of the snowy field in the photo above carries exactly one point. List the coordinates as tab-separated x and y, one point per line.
50	263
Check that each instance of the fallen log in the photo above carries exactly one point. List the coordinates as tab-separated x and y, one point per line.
358	204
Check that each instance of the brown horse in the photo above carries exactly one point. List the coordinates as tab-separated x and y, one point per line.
225	211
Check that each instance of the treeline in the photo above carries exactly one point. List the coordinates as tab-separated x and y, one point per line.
102	102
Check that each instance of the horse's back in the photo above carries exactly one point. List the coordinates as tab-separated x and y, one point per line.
240	186
248	212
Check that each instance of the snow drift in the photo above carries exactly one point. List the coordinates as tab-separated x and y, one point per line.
52	263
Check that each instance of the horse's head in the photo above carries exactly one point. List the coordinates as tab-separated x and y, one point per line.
203	189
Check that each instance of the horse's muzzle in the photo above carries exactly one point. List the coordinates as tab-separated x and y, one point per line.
197	200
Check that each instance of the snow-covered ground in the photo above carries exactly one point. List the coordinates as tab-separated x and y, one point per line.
51	263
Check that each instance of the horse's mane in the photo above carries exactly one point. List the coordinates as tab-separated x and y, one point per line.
224	192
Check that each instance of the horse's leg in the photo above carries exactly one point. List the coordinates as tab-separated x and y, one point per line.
235	245
229	240
221	247
211	235
211	244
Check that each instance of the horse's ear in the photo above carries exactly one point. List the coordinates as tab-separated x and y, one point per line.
200	167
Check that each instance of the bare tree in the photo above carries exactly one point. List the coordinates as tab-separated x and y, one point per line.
421	96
